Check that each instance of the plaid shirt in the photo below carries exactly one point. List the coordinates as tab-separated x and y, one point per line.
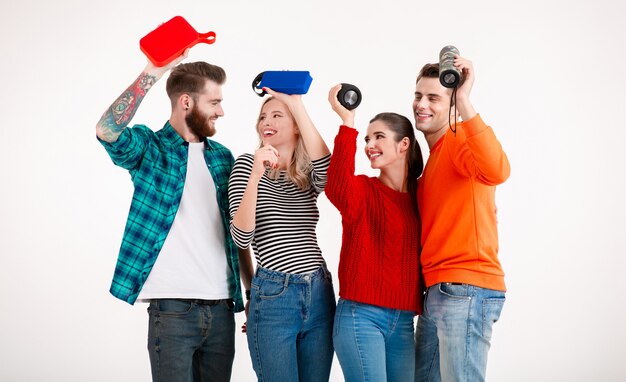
157	162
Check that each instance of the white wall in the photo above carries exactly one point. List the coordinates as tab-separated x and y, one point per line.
549	80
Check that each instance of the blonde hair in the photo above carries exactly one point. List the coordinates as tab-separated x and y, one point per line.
299	169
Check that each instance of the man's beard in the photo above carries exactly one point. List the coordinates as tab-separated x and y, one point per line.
199	123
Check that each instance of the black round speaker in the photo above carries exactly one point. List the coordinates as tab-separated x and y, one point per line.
255	82
349	96
449	75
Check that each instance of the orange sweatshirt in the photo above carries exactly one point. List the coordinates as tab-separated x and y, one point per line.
456	195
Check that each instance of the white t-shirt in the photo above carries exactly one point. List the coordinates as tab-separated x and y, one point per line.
192	262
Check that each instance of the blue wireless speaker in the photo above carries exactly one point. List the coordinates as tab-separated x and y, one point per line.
283	81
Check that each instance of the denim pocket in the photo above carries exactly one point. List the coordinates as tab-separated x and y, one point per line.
328	277
457	291
492	307
269	288
167	307
230	304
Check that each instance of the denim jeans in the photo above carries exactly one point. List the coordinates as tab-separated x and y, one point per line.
191	342
454	332
374	343
290	325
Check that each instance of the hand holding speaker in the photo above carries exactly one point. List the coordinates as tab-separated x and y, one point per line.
349	96
337	104
449	74
172	39
282	81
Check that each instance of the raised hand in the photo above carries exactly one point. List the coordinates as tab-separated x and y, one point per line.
290	100
117	117
464	106
159	71
347	116
467	69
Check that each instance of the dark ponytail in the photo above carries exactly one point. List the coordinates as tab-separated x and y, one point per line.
416	166
402	127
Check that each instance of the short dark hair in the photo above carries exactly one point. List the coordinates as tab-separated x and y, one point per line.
191	78
432	71
428	71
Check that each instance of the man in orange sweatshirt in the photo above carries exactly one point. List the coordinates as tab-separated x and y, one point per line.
465	288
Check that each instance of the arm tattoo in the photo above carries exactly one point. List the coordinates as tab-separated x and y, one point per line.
119	114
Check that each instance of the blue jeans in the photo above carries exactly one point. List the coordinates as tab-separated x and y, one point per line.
191	342
454	332
374	343
290	325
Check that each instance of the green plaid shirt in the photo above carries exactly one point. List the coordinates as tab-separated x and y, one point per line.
157	162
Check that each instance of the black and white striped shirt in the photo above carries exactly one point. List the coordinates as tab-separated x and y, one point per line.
284	238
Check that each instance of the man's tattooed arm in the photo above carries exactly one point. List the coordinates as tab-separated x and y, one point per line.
118	115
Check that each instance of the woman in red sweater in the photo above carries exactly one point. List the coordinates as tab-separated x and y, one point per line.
379	275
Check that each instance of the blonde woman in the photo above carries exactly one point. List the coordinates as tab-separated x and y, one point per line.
273	196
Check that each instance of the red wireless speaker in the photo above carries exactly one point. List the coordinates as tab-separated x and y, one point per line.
170	39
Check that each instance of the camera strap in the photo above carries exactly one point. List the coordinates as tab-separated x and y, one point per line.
452	102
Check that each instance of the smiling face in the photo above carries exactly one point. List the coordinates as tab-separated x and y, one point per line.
206	109
381	147
276	125
431	107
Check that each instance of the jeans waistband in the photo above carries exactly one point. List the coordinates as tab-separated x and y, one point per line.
268	274
200	301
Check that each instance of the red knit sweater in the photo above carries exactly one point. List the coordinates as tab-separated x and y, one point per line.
379	261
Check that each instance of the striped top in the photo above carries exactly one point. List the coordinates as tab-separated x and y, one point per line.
284	237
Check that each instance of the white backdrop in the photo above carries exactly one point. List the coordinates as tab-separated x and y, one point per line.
549	80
